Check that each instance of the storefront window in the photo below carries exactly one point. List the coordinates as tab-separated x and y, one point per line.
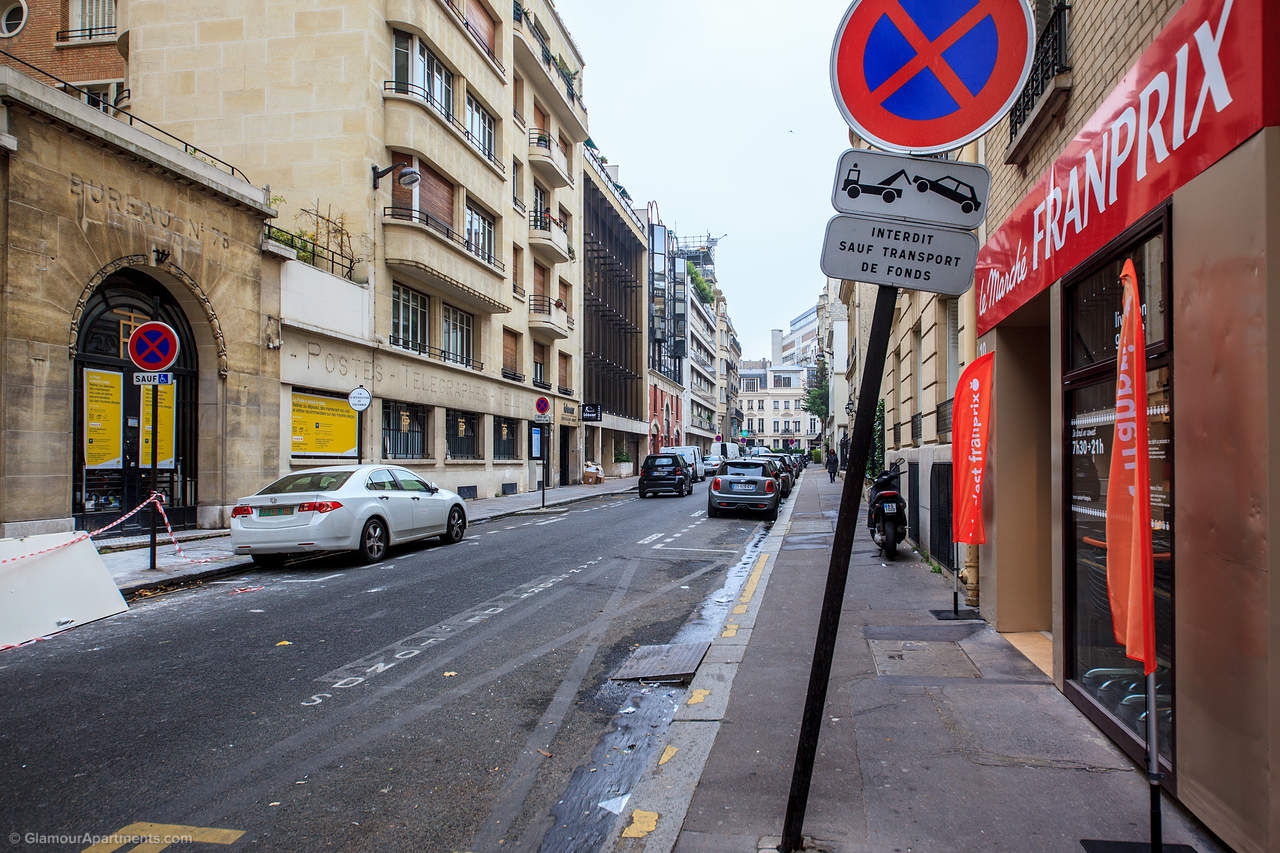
505	437
462	438
1095	304
1097	663
404	430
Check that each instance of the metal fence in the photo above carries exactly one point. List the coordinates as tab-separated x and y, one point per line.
1050	61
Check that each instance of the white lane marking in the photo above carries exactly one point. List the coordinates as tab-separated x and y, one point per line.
552	520
704	550
648	539
512	527
698	513
669	539
315	580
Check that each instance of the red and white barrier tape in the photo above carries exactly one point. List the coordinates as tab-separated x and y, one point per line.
154	498
174	539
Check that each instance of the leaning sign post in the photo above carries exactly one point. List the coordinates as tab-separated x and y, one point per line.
153	348
909	79
543	417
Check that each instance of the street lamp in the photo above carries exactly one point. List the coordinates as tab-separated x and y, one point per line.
848	407
408	176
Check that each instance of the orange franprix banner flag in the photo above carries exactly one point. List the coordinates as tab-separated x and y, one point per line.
1130	568
970	418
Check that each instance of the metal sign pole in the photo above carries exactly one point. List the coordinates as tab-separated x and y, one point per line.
155	434
838	572
1153	764
546	453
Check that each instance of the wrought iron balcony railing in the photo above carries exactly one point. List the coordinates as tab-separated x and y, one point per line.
309	252
423	218
1050	61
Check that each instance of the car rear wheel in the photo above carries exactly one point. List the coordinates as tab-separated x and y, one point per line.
712	512
373	540
643	494
771	514
456	527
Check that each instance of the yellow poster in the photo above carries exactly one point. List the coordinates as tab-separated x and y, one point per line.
323	426
164	450
103	414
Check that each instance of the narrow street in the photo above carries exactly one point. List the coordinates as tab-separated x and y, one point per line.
450	697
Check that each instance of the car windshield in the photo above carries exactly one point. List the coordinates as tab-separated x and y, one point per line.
747	469
307	481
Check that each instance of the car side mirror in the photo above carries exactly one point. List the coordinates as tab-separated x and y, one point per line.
432	488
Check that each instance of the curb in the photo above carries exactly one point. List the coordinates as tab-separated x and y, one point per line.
661	798
176	580
200	537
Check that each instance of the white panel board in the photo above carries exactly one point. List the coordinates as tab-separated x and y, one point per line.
54	591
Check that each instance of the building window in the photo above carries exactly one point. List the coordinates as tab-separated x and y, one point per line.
419	73
438	80
480	234
786	404
404	430
408	319
813	425
15	15
775	405
540	365
506	438
455	334
94	15
100	96
776	426
750	385
540	203
480	127
462	434
1092	307
782	382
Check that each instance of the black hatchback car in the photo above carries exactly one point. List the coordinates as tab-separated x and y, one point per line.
665	472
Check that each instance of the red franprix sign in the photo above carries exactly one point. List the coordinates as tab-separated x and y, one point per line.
1193	96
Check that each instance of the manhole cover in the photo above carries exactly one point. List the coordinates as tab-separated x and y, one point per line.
939	658
672	662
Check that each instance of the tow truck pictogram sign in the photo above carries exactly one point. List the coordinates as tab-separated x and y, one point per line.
921	189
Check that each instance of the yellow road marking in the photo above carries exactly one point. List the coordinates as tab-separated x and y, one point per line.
668	754
642	823
739	610
153	837
730	630
750	589
698	697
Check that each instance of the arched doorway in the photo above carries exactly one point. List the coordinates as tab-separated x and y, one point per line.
111	472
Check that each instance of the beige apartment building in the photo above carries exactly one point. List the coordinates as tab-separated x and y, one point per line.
772	395
729	414
430	152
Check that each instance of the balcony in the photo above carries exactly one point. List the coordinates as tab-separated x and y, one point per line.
541	383
547	160
548	239
1045	93
508	373
437	353
408	128
555	84
917	428
564	390
85	34
943	415
548	320
468	274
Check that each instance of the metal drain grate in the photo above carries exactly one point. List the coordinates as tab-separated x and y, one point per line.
672	662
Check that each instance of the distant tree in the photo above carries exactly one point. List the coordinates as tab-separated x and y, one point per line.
816	398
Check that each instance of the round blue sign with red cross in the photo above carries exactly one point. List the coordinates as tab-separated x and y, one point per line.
543	405
153	346
924	76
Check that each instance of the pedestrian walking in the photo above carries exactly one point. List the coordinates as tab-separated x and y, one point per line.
833	464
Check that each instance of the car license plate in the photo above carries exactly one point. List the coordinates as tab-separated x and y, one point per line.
744	487
268	511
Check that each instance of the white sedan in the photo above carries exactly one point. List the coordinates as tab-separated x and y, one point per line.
364	508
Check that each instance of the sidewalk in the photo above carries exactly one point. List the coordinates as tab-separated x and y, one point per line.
210	555
937	736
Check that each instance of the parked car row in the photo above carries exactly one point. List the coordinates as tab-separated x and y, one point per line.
361	508
756	483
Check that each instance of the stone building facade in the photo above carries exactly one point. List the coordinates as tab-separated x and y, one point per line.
106	227
432	151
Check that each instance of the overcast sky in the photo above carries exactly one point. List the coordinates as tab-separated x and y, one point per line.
721	111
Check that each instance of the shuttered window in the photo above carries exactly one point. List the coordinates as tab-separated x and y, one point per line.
401	196
435	195
539	280
540	117
566	371
479	18
566	295
510	350
539	362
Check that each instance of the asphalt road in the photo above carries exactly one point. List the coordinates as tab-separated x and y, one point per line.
449	698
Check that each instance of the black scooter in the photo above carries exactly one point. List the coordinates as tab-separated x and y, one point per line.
887	511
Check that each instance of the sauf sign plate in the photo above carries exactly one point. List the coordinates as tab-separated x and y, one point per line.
919	257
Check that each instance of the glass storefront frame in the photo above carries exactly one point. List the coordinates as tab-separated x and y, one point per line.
1092	376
